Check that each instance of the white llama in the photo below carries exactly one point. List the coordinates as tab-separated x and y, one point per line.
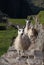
29	29
22	41
31	32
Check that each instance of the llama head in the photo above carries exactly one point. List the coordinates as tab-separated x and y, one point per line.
20	31
27	21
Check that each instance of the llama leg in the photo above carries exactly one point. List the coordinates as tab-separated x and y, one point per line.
22	53
18	55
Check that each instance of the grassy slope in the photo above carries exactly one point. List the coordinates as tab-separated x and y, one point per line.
6	35
41	16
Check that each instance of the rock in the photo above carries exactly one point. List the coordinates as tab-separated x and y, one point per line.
38	54
3	61
34	62
11	48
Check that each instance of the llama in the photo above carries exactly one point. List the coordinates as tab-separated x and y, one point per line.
22	41
30	30
27	27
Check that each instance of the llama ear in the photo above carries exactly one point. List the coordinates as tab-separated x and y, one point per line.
17	26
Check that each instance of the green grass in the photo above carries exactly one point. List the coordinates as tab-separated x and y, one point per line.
17	21
6	35
41	16
5	39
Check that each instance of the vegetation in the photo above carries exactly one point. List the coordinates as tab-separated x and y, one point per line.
6	35
41	16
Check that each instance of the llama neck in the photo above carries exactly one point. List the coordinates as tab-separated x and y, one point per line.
27	26
19	36
26	29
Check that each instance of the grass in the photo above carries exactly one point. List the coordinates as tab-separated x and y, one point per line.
5	39
17	21
2	24
6	35
41	16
